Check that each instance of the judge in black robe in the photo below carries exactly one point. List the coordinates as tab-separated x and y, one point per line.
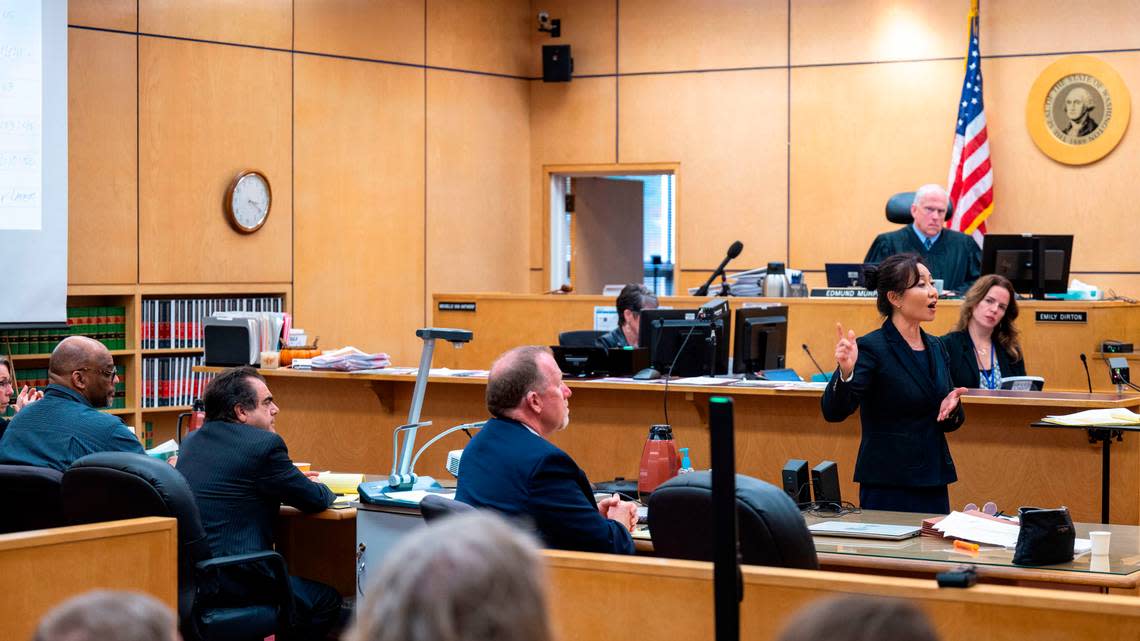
953	257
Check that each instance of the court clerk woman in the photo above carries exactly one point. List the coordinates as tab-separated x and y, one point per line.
984	346
897	377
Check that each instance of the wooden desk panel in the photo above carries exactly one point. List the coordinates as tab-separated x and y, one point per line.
503	321
682	591
41	568
345	424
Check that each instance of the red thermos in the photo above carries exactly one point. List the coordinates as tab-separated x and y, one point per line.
659	461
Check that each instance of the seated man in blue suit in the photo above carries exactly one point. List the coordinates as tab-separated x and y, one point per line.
511	465
240	472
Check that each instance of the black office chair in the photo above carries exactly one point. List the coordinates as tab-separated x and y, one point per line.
29	498
898	208
772	530
435	507
108	486
580	338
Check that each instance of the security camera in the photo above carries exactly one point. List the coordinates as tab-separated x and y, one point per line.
548	25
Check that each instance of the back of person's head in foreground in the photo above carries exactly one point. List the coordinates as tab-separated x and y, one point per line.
106	615
859	618
470	577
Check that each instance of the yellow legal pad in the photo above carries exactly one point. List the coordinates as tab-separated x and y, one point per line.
341	483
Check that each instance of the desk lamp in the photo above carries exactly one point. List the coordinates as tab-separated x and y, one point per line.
403	459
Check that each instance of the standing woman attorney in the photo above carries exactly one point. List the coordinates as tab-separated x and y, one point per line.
898	379
983	347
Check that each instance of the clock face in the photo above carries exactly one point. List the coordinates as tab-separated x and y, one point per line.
249	202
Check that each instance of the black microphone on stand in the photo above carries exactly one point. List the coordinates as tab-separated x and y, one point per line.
1085	362
814	362
733	251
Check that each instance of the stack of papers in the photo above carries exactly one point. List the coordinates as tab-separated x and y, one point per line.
963	526
1112	416
350	359
164	451
341	483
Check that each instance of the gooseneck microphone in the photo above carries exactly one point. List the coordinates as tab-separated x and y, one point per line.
813	361
1085	362
733	251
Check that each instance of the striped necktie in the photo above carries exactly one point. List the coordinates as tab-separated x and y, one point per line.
926	242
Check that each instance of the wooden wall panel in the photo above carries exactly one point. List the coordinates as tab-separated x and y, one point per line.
102	158
207	112
478	153
860	134
1122	284
266	23
727	130
1033	193
588	26
570	123
481	35
39	569
359	247
377	29
669	35
104	14
824	32
1033	26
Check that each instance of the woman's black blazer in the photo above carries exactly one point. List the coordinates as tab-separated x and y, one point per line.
903	444
964	366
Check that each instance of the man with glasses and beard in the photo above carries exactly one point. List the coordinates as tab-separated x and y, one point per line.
66	424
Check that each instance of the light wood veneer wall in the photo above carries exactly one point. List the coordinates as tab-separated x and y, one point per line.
396	135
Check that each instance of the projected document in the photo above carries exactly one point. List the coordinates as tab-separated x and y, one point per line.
21	115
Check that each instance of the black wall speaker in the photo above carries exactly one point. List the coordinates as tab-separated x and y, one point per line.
825	483
796	483
557	65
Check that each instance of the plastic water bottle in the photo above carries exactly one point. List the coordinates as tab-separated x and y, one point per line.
686	464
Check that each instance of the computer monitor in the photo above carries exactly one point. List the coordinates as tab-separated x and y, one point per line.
1034	264
761	338
846	274
681	344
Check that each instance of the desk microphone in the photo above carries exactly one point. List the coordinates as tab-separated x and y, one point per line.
814	362
1085	362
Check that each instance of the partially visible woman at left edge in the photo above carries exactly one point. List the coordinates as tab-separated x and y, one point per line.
7	387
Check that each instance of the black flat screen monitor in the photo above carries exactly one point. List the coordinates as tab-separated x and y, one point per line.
680	344
761	338
846	274
1035	264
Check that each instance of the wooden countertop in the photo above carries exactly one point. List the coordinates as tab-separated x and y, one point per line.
1067	399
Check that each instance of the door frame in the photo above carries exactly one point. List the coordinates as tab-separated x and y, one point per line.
554	204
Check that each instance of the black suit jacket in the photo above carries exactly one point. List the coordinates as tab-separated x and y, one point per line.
240	476
902	444
964	366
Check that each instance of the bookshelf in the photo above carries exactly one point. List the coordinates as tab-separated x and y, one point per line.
130	358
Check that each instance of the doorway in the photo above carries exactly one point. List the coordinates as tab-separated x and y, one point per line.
611	226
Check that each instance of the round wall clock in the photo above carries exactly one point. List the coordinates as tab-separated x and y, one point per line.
247	201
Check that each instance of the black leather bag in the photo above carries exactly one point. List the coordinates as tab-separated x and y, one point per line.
1046	536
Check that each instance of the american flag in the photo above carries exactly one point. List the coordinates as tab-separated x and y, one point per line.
971	176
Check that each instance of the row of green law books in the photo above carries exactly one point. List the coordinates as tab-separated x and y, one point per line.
38	378
107	325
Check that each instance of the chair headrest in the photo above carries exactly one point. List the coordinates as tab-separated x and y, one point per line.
898	208
772	529
120	485
20	476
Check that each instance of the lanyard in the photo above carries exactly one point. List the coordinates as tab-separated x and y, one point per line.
990	377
